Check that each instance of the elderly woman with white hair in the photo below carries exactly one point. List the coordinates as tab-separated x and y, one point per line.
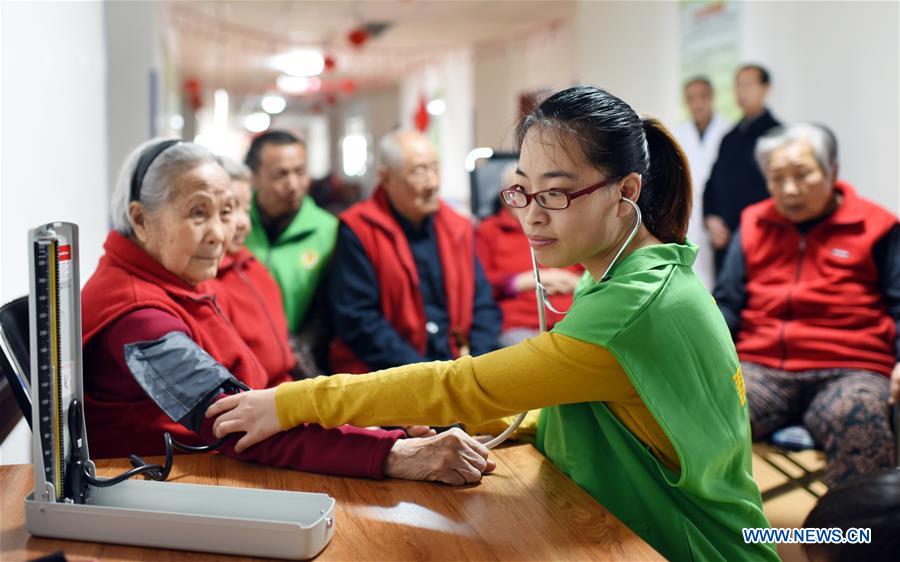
158	349
247	293
810	289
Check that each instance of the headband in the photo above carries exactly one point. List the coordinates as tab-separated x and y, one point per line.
147	158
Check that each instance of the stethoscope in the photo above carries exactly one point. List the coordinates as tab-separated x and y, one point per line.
543	303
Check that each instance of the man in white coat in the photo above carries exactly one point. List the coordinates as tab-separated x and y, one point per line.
700	138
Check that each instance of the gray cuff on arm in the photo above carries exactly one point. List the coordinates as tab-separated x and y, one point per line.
178	375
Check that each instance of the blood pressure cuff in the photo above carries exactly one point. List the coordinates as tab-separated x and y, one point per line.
179	376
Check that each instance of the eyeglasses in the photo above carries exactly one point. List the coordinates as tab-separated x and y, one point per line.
551	199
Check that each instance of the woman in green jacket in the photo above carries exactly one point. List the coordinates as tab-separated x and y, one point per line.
641	389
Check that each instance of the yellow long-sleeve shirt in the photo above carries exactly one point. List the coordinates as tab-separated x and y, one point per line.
543	371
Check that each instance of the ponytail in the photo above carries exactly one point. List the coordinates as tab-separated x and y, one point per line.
666	197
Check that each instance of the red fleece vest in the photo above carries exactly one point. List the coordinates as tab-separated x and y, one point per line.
504	253
372	221
250	297
128	279
813	300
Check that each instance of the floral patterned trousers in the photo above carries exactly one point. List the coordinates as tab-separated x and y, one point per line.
845	410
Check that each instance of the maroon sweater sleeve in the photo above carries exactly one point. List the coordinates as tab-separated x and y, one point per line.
344	451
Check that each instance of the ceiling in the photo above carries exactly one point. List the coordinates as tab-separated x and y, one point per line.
229	44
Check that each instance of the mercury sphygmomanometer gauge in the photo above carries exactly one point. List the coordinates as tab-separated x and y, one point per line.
55	358
70	502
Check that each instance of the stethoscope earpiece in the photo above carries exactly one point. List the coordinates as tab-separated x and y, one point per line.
542	291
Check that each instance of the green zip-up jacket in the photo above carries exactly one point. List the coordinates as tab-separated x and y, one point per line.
660	323
297	259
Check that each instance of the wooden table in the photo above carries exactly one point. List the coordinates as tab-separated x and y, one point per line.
526	510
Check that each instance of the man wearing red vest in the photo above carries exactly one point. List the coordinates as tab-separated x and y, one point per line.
811	291
405	284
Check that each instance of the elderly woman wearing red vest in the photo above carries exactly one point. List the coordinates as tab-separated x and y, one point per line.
246	291
811	291
158	348
405	284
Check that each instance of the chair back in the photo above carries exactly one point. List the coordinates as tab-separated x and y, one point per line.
486	181
15	359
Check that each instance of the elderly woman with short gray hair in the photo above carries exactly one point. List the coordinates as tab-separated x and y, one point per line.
158	350
810	289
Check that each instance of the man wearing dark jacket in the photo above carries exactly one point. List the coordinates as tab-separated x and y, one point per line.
735	181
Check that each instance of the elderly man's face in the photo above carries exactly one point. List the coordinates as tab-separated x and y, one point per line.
413	186
801	189
281	180
241	191
699	99
189	233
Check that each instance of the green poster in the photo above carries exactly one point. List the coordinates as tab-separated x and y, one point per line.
711	47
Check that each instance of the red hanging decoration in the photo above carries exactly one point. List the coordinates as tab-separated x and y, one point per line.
348	86
330	63
358	37
194	93
421	117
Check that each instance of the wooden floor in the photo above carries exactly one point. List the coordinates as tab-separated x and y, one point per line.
790	509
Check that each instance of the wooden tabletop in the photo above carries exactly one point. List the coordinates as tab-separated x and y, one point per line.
526	510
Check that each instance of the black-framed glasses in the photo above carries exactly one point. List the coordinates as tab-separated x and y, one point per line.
551	199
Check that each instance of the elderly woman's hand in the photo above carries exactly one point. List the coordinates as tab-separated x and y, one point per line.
419	431
252	412
452	457
411	430
719	233
559	281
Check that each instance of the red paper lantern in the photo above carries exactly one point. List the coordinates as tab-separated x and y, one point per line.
194	93
421	117
330	99
348	86
358	37
330	63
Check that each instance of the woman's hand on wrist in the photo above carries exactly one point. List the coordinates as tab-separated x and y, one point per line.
253	413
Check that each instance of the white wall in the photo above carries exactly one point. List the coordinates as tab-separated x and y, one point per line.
133	54
833	62
837	63
630	49
503	71
53	119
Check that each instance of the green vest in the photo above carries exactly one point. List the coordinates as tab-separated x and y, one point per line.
298	258
662	326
